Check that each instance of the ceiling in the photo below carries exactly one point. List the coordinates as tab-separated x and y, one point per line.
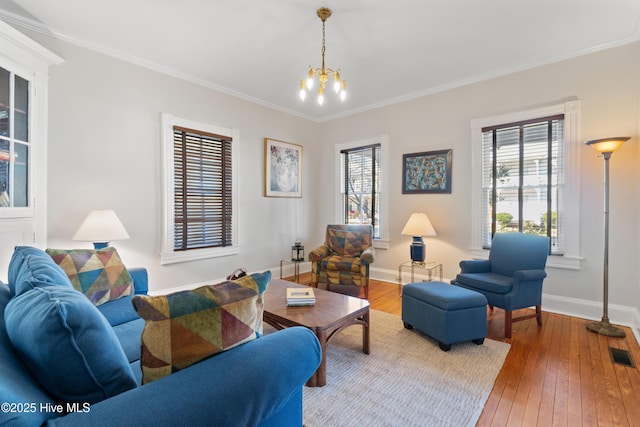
387	51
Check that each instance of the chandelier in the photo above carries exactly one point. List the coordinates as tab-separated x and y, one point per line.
339	85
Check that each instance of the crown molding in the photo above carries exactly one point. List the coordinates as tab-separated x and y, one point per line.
33	25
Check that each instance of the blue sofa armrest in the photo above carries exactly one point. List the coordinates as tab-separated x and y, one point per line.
140	280
475	266
528	275
249	385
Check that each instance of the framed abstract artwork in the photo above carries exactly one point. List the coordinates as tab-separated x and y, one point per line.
282	169
426	172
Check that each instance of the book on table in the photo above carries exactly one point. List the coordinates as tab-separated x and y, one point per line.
300	296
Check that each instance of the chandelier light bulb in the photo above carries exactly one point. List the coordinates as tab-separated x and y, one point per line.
321	95
310	79
343	90
303	92
336	82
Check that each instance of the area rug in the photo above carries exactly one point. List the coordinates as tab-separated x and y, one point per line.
405	381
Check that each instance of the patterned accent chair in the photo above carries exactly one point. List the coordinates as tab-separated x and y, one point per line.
344	258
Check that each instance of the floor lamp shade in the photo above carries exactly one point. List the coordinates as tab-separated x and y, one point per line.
606	146
101	227
418	226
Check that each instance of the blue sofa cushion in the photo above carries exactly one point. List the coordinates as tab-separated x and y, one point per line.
129	336
67	345
16	384
31	267
119	311
490	282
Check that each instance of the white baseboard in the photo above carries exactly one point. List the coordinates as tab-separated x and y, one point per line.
575	307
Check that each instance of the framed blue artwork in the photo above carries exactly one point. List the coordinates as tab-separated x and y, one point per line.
282	169
426	172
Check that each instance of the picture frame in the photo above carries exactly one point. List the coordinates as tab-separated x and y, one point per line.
282	169
427	172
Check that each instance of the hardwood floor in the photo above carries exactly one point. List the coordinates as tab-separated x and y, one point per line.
559	374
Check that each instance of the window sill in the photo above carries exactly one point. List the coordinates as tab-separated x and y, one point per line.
197	254
380	244
566	262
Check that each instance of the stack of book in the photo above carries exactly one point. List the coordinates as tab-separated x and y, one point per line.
300	296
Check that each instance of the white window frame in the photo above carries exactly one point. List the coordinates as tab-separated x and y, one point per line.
168	255
31	61
569	200
383	140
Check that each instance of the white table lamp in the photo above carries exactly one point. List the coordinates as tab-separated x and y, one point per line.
101	227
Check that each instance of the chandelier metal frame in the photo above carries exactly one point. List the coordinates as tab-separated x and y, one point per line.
323	73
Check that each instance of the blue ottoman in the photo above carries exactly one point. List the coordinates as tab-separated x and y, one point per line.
447	313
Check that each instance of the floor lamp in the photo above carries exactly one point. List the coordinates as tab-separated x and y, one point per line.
606	146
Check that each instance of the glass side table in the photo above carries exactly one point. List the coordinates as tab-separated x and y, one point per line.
296	268
429	267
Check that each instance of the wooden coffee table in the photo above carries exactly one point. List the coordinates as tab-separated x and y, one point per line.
331	313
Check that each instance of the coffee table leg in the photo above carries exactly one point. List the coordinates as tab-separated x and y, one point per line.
319	377
365	333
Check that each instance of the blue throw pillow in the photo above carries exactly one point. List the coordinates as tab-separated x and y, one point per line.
31	267
67	345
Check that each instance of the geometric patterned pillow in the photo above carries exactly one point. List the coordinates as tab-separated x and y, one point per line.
343	242
186	327
99	274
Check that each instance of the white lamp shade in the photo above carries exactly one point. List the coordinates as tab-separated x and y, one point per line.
418	225
101	226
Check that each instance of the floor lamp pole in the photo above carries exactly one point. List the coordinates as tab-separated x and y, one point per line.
604	327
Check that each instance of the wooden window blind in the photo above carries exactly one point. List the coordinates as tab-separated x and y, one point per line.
361	186
202	189
522	179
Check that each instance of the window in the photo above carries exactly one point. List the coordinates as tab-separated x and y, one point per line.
526	177
200	190
361	189
24	91
521	164
360	176
14	141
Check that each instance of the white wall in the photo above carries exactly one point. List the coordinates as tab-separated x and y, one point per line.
606	83
104	152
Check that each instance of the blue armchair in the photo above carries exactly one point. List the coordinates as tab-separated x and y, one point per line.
512	276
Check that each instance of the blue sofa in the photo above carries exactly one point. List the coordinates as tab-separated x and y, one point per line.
258	383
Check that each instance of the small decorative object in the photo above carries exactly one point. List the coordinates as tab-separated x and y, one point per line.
297	251
426	172
237	273
300	296
606	147
418	226
100	227
282	169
